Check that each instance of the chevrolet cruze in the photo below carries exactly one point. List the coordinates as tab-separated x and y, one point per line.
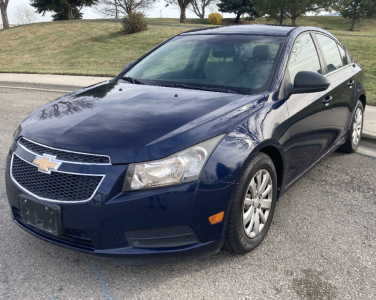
188	149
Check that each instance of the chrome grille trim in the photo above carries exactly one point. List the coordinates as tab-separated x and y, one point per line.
51	200
64	151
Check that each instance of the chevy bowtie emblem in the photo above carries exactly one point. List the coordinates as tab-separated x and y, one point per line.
46	163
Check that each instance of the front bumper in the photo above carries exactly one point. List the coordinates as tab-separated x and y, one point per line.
100	226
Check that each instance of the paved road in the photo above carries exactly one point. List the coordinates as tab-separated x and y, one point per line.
321	244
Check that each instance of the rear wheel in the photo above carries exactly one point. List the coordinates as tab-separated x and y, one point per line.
253	206
355	132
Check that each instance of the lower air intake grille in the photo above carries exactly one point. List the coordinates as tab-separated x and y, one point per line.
167	237
54	186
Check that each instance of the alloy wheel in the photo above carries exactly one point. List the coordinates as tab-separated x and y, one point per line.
357	127
257	203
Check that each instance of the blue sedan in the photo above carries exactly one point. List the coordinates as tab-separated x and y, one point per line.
187	150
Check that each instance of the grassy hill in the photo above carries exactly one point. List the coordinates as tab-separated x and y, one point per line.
98	47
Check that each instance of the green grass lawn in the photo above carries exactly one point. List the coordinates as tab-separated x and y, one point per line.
98	47
75	47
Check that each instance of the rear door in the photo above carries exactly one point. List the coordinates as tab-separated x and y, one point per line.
309	117
342	79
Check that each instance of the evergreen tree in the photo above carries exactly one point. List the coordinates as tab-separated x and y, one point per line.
292	9
60	16
64	9
356	10
238	7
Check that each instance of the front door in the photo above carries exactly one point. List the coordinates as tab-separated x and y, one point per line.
309	114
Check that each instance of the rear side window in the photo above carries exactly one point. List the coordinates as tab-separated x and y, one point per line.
331	53
344	59
304	57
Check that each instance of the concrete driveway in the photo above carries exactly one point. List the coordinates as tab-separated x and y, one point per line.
321	244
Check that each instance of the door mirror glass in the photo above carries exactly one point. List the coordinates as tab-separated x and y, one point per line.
309	82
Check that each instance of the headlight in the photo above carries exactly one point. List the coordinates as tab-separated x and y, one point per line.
181	167
16	134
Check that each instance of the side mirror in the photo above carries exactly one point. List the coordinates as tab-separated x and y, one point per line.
309	82
127	65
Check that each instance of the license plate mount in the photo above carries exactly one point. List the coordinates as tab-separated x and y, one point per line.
45	217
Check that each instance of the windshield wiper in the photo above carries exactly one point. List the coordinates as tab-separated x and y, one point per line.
213	89
132	80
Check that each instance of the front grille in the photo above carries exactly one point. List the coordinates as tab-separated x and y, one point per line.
63	154
54	186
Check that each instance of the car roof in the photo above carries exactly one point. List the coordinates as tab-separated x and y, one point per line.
255	29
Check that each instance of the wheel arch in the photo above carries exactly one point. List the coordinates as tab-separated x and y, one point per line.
274	150
363	99
240	154
275	155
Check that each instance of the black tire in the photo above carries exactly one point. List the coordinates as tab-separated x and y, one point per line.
237	241
349	146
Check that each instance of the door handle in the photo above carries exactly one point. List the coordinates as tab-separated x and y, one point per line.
350	83
327	100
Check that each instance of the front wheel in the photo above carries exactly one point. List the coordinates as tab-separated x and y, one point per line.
355	132
253	205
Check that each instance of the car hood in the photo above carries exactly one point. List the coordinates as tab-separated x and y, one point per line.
133	123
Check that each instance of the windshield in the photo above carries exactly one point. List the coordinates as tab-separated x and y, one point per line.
227	63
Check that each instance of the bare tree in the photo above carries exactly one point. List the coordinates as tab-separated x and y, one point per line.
107	8
183	5
4	15
24	14
120	8
199	7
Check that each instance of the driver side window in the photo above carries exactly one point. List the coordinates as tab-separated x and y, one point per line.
304	57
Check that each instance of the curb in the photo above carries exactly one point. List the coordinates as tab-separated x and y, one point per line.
367	147
368	135
43	86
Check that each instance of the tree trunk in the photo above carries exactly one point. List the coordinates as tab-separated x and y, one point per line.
352	24
116	10
281	17
293	19
237	17
203	13
67	13
183	18
4	16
